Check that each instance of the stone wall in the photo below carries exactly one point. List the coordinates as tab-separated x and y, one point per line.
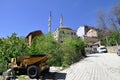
113	49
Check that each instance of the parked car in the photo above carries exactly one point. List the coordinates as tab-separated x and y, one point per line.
102	49
94	50
118	52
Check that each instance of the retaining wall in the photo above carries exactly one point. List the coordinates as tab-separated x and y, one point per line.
113	49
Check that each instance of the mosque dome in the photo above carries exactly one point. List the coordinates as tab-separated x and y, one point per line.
65	27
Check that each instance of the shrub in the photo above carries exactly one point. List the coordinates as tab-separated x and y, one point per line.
12	46
73	49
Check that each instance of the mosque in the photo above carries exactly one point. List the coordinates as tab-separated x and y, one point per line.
63	31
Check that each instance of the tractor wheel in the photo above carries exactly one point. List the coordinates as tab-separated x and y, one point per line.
33	72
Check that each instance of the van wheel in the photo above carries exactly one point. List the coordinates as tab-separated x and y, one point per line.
33	72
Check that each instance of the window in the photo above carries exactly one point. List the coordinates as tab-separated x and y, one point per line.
72	33
61	32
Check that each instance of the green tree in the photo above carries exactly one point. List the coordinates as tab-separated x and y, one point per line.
63	54
47	45
12	46
109	24
73	49
114	38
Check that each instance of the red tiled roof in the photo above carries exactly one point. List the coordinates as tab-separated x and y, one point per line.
35	33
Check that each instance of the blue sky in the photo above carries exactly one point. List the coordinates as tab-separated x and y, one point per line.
24	16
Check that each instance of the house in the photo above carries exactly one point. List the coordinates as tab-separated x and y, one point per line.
89	34
33	34
87	31
92	33
81	31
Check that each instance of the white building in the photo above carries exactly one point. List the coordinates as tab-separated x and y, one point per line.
81	31
86	31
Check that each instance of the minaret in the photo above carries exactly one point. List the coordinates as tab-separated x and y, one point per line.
49	23
61	20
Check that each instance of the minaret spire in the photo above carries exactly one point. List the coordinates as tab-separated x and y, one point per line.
49	22
61	20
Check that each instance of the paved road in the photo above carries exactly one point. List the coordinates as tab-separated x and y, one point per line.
95	67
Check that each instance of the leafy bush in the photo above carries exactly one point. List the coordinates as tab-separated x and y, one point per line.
12	46
73	49
112	38
63	54
46	45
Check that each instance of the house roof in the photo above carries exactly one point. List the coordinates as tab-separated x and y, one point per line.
87	28
35	33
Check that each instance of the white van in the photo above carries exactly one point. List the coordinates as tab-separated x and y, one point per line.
102	49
